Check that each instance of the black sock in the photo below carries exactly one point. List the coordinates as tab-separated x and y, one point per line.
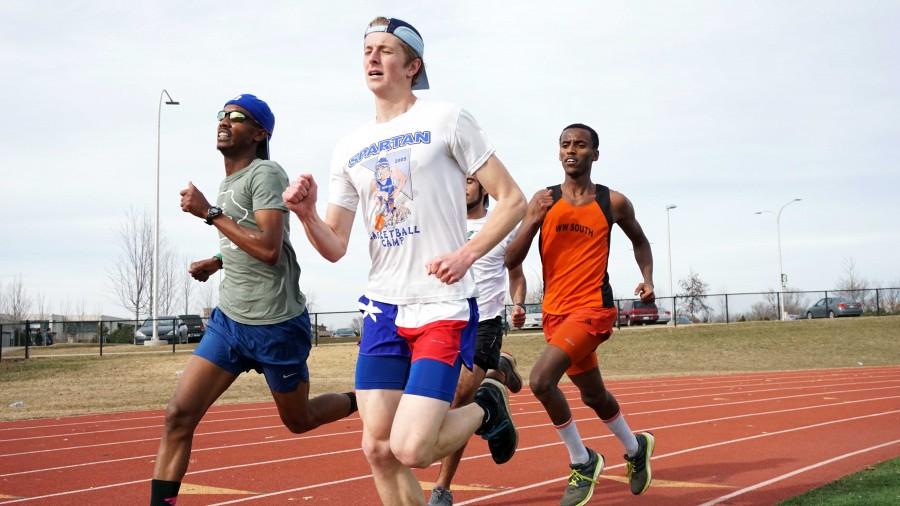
487	407
161	490
352	396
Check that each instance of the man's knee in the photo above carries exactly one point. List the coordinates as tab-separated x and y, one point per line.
540	384
412	453
377	451
181	419
298	424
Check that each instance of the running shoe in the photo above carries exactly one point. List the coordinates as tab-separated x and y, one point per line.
638	472
497	427
582	480
508	367
440	496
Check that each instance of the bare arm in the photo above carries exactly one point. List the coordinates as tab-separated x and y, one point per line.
329	236
201	270
517	290
500	185
263	243
623	214
534	217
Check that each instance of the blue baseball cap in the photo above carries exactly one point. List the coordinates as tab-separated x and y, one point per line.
260	112
412	38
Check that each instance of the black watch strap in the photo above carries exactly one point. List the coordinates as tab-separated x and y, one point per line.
212	213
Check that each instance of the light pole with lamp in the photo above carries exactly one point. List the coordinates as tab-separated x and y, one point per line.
154	340
669	241
782	278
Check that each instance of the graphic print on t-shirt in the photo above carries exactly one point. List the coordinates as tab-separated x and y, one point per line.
233	210
391	189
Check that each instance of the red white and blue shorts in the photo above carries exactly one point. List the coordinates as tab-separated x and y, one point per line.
418	348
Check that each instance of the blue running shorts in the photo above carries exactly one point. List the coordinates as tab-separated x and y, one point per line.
423	358
278	350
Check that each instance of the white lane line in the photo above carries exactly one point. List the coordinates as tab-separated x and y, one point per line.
517	414
796	472
193	451
622	386
123	429
721	382
190	473
110	418
681	452
205	422
316	485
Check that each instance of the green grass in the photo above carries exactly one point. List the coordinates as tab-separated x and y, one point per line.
131	377
876	485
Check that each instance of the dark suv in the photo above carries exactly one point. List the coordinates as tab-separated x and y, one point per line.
195	327
633	312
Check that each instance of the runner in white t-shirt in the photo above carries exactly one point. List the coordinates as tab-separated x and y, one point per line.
406	171
491	279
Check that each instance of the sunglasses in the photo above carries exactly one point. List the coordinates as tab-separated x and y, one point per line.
234	116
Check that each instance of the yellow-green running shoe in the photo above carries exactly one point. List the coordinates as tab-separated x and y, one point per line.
582	480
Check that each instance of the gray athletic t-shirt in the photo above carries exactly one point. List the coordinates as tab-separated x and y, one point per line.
254	292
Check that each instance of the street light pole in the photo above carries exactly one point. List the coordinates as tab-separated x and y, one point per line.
780	263
782	279
669	241
154	340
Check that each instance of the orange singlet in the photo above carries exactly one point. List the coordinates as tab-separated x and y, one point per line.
578	303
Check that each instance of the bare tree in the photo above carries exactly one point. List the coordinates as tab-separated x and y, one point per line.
210	294
357	324
187	285
763	311
889	299
18	303
82	309
794	303
692	298
168	278
851	283
3	311
310	301
132	275
40	306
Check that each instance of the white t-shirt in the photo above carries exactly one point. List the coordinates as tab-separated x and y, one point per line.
409	176
490	273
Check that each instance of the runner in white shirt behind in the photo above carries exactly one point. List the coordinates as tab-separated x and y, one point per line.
407	170
491	278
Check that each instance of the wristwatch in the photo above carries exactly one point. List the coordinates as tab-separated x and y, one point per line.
212	213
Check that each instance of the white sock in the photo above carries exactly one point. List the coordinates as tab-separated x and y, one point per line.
568	432
618	426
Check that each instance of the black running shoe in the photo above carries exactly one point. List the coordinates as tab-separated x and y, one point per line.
508	367
497	427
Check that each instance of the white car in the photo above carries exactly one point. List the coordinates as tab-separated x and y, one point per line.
534	317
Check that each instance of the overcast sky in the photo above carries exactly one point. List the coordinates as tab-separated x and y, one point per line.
721	108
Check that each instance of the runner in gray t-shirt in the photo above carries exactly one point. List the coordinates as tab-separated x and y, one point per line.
261	322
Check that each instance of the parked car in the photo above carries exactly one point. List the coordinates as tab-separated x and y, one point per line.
682	320
168	328
195	327
534	317
665	316
633	312
832	307
344	332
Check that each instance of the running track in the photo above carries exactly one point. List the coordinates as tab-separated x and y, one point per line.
737	439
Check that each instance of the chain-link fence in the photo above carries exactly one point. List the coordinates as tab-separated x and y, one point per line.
22	338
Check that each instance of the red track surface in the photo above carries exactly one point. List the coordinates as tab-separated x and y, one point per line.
736	439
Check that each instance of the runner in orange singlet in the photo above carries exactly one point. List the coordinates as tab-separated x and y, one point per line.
575	221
